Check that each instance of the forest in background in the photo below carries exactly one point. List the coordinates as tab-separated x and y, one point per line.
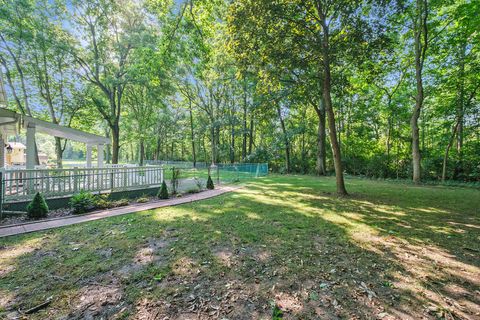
386	89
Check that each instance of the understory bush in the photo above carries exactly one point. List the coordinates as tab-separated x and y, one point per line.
210	185
120	203
163	192
82	202
101	201
143	199
38	208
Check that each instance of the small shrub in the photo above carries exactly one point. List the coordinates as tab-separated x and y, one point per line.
38	208
210	185
102	202
143	199
120	203
82	202
163	192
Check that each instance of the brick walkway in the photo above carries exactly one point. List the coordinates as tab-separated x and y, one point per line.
66	221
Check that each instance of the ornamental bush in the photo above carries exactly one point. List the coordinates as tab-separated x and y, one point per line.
210	183
38	208
102	201
163	192
120	203
82	202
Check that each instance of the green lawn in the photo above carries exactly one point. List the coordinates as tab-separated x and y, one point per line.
283	243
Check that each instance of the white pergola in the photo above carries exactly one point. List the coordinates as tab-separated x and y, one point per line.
11	122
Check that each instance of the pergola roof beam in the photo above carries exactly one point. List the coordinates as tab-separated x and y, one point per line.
65	132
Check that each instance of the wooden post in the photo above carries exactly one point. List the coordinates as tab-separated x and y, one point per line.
100	155
30	146
89	156
30	155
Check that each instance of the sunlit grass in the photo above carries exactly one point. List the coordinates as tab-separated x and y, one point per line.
280	239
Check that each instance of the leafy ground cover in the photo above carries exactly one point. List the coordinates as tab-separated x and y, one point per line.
283	246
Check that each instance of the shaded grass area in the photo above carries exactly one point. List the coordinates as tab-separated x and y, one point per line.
282	244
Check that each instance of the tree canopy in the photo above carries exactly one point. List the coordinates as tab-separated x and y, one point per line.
384	89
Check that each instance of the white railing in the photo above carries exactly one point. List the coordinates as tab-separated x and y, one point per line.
23	184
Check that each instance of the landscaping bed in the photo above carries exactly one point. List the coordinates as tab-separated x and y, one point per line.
100	202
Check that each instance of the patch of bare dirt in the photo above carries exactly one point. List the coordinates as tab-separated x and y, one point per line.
154	251
97	300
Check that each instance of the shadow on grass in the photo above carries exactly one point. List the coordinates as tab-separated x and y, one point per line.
285	241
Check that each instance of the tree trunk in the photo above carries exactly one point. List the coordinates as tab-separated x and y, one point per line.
286	141
212	137
115	143
244	133
232	143
59	152
460	109
321	167
416	156
447	150
250	142
192	138
142	153
304	154
337	157
420	44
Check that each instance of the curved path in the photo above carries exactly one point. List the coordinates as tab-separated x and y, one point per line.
66	221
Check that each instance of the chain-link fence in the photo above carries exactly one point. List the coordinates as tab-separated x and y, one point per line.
189	178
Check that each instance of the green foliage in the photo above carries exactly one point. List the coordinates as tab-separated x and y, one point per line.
143	199
210	185
120	203
163	191
102	201
232	85
82	202
37	208
277	313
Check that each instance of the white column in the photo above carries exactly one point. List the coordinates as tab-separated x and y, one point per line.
89	156
30	146
100	155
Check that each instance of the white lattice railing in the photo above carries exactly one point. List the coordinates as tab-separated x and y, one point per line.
22	184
